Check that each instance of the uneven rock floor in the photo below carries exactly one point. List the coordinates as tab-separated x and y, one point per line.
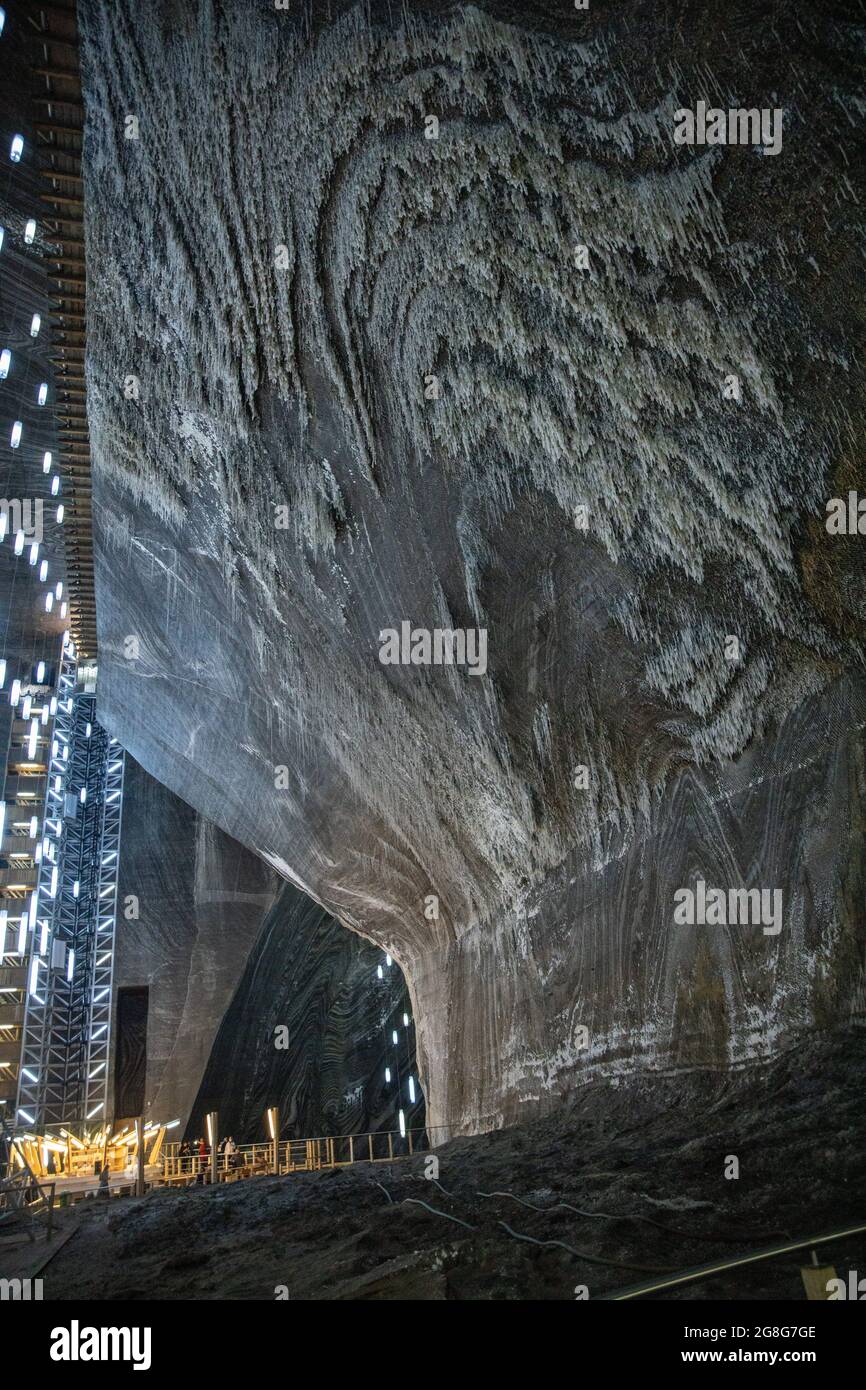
650	1152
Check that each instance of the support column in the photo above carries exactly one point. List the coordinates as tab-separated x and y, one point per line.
213	1133
273	1117
139	1157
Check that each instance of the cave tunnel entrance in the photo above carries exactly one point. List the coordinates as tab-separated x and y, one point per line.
321	1027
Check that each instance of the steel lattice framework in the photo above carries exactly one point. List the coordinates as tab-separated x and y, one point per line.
63	1076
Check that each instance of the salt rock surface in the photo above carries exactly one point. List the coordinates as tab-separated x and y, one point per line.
282	261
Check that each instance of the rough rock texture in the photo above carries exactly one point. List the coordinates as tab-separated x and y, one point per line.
643	1164
309	975
200	899
229	952
282	260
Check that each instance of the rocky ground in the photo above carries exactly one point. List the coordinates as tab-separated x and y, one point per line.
644	1162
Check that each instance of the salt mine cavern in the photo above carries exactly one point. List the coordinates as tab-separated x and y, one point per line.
431	561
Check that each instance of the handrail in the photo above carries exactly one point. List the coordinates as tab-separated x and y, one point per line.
13	1200
298	1155
175	1144
706	1271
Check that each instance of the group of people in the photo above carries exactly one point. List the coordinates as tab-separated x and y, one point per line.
200	1148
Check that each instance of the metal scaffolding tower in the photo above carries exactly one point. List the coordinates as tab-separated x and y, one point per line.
63	1076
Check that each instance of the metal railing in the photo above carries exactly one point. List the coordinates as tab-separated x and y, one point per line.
23	1201
721	1266
296	1155
23	1198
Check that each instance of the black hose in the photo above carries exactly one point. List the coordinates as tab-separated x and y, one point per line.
591	1259
647	1220
416	1201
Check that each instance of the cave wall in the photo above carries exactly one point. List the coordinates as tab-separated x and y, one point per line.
286	480
191	905
319	982
229	952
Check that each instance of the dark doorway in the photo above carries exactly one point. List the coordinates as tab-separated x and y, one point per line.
130	1057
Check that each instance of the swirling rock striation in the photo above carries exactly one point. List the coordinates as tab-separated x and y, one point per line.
372	384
